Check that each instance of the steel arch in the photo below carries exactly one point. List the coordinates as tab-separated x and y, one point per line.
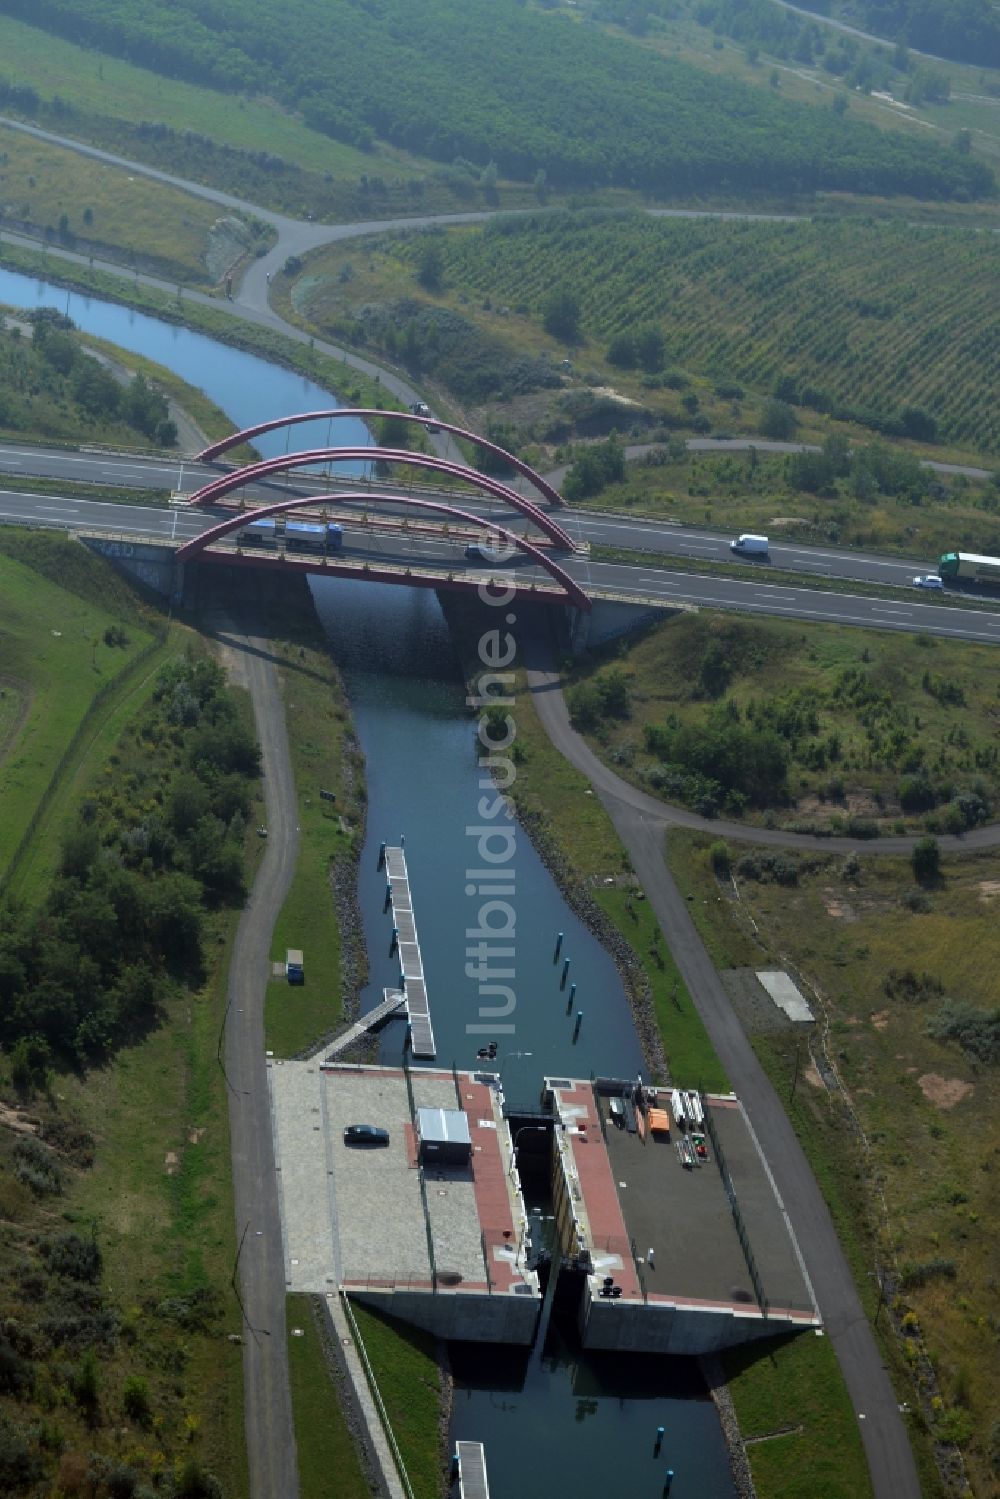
365	413
192	549
235	480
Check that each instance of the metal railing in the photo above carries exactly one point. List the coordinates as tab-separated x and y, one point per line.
741	1230
377	1396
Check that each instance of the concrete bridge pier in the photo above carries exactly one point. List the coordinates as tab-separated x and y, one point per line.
606	621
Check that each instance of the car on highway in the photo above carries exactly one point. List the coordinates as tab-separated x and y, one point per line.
478	551
927	580
365	1134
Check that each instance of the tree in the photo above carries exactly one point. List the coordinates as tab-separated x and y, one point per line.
561	316
622	351
430	265
650	348
926	861
778	421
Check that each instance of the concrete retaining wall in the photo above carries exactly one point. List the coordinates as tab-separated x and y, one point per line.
630	1327
463	1317
153	566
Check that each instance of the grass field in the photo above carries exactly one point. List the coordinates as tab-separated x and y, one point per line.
796	1418
742	304
889	728
329	1467
916	1200
130	216
406	1370
54	661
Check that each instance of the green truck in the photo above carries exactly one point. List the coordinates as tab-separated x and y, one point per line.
969	567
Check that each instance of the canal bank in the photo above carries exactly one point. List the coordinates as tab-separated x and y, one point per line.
435	777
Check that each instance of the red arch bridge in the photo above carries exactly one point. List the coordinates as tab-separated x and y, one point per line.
414	565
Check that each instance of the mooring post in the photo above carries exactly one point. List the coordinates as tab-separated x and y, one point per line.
559	943
381	855
565	972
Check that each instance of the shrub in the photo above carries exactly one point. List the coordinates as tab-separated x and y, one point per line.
926	861
135	1398
769	868
719	856
977	1031
79	1259
37	1167
919	1274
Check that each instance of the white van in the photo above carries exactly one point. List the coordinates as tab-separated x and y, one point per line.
749	545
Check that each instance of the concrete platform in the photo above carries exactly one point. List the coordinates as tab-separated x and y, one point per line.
689	1274
442	1247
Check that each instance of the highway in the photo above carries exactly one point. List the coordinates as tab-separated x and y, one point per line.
598	528
646	581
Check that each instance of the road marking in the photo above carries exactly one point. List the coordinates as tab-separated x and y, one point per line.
777	598
55	510
877	610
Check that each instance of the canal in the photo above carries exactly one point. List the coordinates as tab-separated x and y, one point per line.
556	1421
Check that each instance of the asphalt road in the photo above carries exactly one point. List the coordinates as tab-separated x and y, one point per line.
641	829
270	1432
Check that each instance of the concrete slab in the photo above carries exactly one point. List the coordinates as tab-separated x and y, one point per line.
785	994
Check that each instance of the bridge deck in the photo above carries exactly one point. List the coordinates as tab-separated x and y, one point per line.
472	1480
392	1001
410	960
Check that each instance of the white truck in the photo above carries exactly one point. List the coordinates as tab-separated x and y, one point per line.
749	545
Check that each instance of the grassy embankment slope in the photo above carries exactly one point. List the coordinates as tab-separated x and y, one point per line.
329	1467
406	1370
105	211
900	1124
755	491
879	730
55	662
735	308
136	1149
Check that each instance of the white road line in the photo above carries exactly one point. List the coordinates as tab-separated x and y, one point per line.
777	598
877	610
55	510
